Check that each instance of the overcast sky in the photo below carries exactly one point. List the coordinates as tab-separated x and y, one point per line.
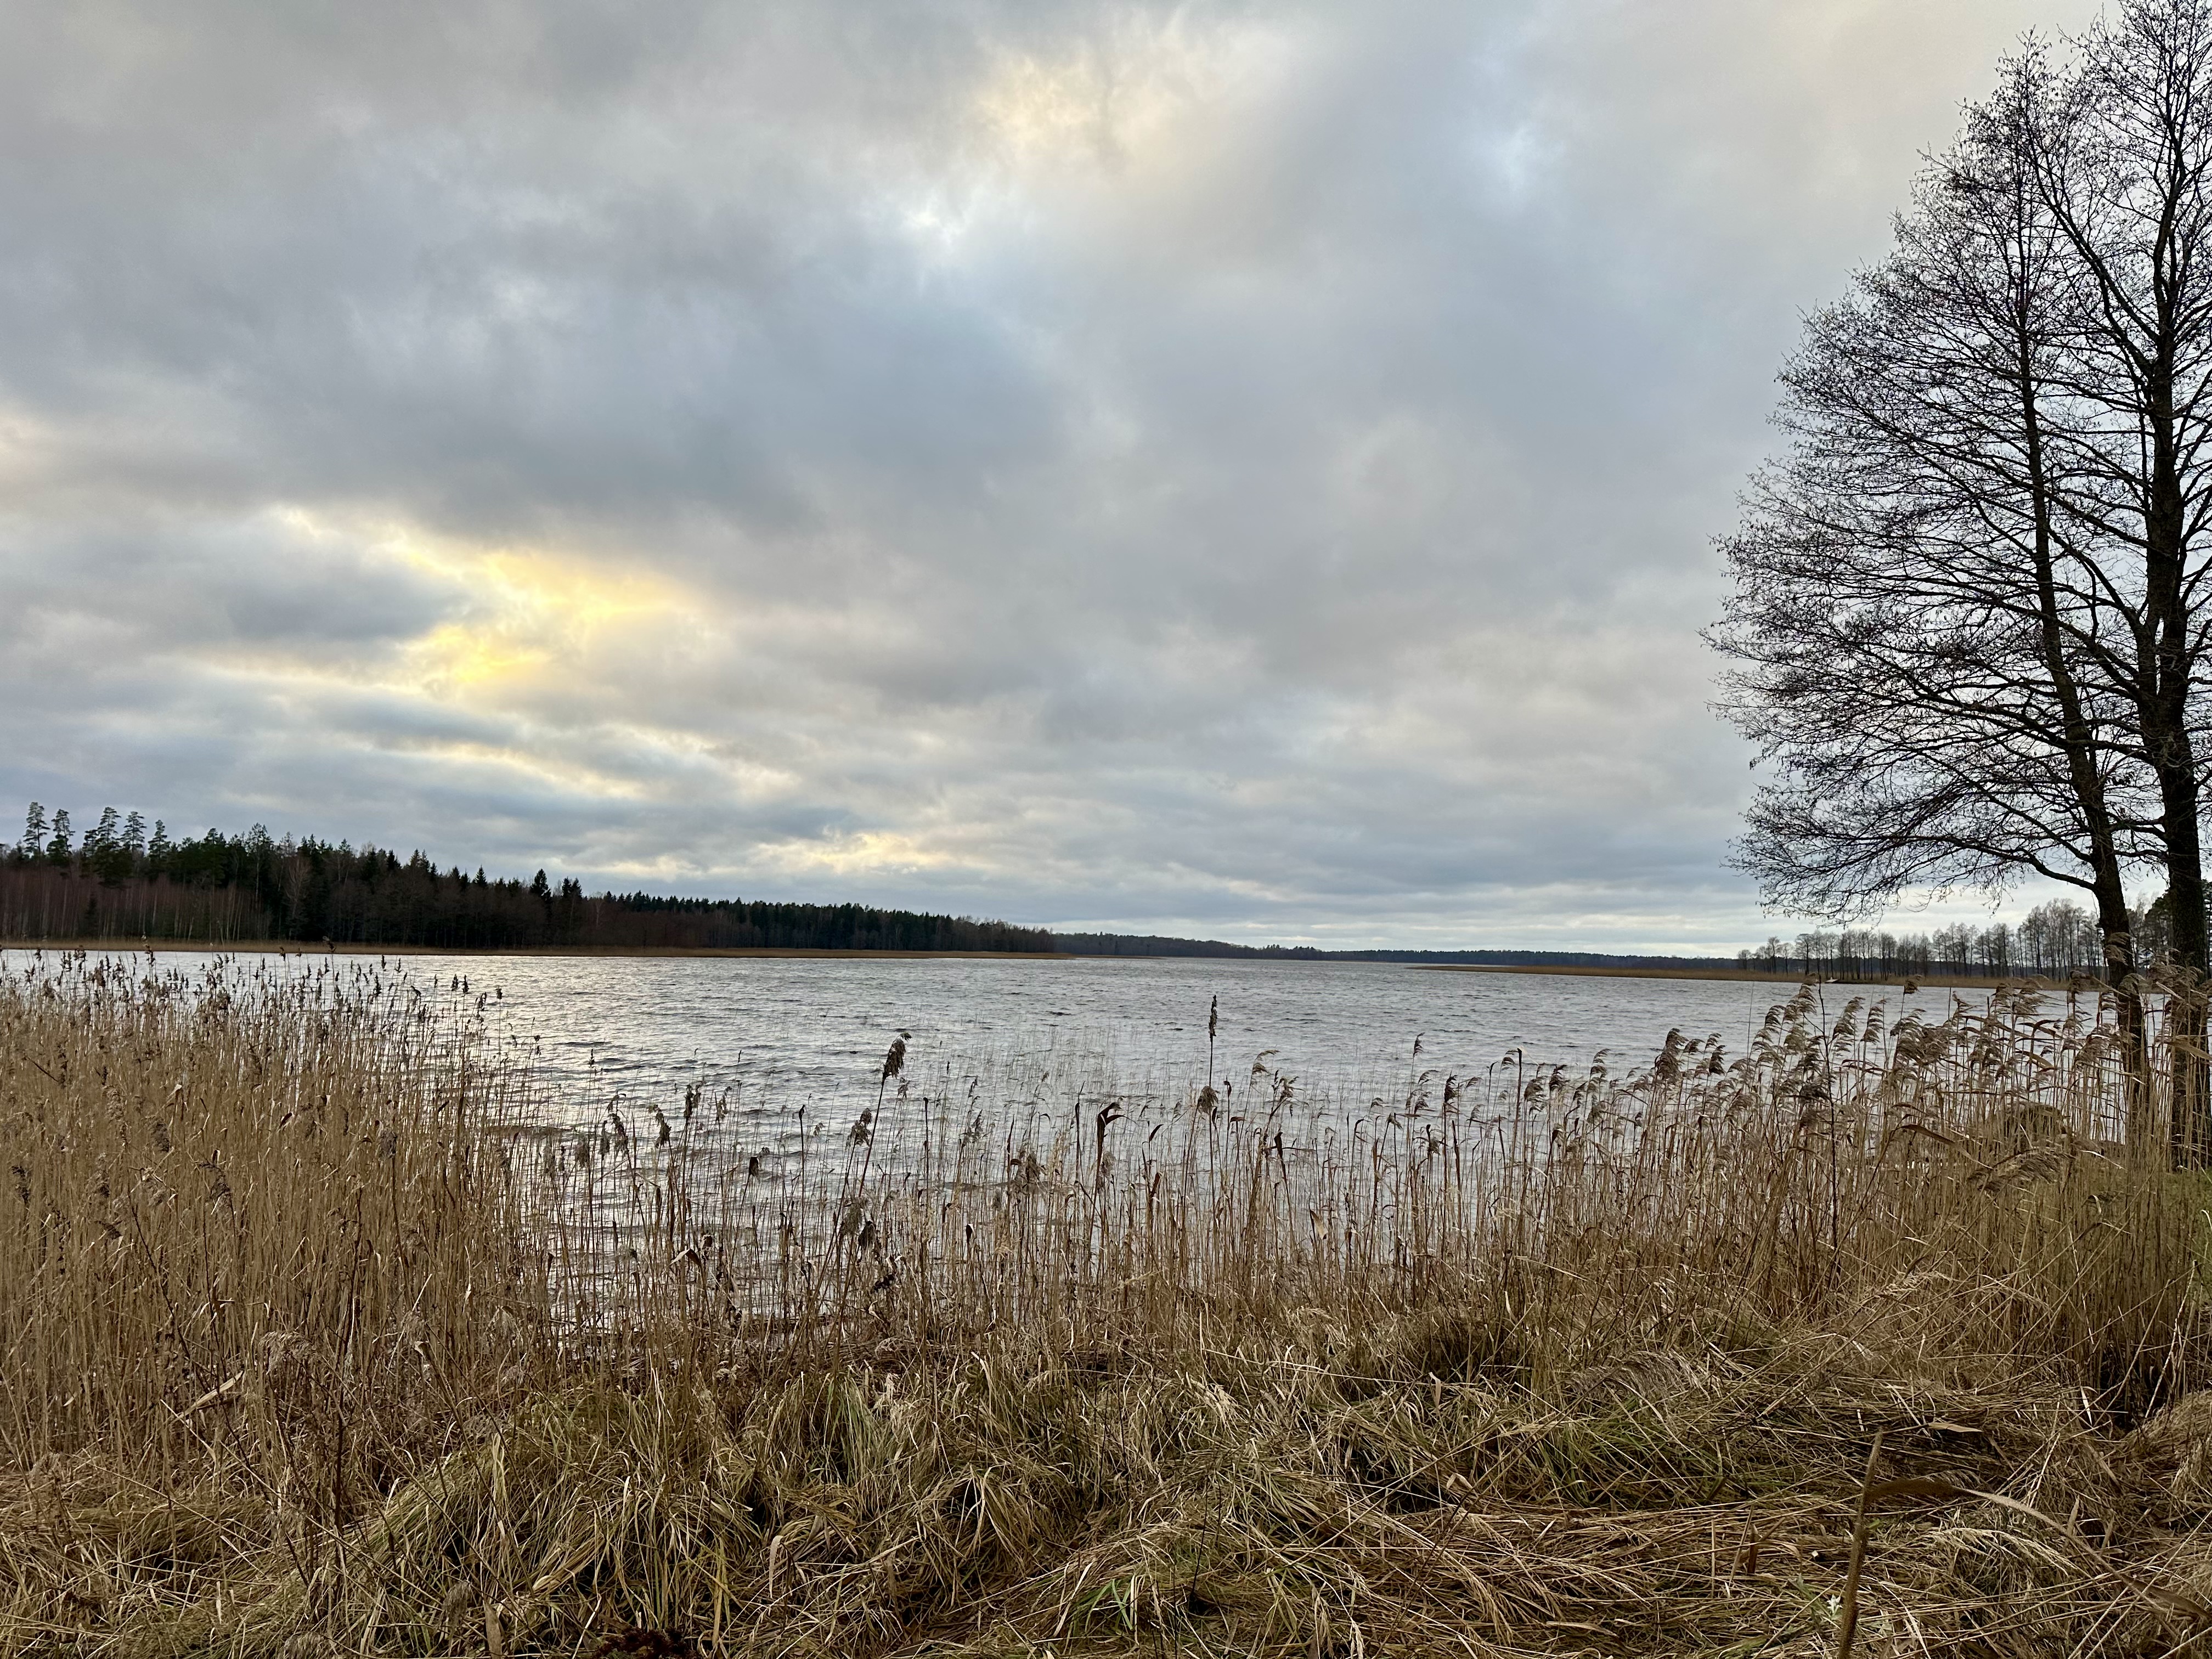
1248	470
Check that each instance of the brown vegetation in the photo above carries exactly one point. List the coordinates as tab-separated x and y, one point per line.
309	1343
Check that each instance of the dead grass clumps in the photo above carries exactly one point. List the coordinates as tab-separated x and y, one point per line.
306	1348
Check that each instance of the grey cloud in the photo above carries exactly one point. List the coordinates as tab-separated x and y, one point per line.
1265	482
249	585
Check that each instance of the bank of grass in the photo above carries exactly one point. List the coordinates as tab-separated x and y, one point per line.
305	1346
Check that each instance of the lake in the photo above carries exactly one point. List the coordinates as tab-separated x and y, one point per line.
767	1037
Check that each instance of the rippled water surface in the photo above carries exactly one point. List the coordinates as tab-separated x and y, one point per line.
774	1034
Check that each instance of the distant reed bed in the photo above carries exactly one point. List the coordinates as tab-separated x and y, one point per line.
316	1338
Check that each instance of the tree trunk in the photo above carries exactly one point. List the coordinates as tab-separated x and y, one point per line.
2166	741
2184	1006
2080	737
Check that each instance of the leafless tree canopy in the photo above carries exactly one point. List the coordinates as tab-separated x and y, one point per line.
1968	625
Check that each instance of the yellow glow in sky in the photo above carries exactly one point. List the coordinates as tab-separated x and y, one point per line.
534	609
855	855
1117	104
528	609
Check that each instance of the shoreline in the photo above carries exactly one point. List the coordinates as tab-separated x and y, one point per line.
961	1370
1568	970
1894	981
298	948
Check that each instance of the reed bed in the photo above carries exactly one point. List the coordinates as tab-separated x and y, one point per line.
315	1339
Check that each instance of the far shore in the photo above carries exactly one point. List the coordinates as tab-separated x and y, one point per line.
1925	981
297	948
286	947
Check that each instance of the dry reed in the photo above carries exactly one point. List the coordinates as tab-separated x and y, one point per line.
311	1343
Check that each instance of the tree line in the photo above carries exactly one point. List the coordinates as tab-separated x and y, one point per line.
2057	941
1972	601
123	879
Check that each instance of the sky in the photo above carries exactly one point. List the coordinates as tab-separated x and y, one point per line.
1241	469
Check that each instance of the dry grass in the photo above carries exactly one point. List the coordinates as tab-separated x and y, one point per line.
306	1346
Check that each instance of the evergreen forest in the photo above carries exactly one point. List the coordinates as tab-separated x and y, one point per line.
122	879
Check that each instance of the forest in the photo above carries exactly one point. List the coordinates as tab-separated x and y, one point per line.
2056	940
124	879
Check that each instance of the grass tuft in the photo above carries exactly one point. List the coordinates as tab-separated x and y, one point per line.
311	1344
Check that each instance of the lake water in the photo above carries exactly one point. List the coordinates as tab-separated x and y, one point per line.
767	1037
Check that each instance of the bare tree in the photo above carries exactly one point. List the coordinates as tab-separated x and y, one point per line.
1972	606
1913	632
2121	154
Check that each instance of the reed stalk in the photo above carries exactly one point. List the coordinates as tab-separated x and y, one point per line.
315	1338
